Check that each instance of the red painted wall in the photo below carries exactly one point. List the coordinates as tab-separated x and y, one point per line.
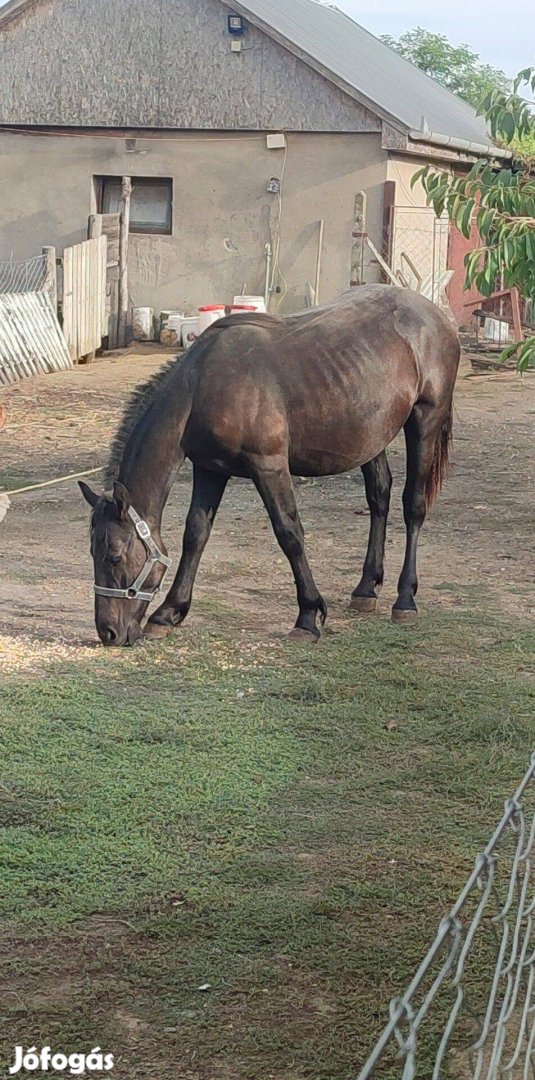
459	247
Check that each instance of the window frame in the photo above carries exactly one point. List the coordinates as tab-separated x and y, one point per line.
165	182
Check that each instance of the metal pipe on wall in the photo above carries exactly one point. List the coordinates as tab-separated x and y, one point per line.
318	262
269	258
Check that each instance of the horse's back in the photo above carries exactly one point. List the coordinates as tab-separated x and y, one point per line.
331	386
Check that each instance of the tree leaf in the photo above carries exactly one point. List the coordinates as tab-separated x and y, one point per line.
466	220
507	127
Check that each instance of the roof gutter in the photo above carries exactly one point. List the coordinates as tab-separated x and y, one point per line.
464	145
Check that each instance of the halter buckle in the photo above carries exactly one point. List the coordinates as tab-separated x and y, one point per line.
143	531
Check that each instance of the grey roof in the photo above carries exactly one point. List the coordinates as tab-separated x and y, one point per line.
368	67
356	60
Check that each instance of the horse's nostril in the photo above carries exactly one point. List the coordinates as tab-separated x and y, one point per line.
108	636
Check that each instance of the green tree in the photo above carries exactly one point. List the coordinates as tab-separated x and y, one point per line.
457	67
501	203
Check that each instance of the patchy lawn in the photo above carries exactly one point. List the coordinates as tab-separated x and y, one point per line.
284	828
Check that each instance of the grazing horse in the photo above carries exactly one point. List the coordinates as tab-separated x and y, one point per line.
257	396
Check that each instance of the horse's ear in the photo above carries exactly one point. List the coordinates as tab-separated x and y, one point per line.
89	495
121	499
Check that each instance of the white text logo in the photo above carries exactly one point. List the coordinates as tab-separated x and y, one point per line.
47	1060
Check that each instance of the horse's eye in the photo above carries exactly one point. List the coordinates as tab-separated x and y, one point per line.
114	559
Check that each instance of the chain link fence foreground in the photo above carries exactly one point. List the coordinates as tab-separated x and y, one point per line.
469	1012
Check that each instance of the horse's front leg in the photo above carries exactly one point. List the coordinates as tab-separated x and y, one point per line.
378	481
274	484
208	491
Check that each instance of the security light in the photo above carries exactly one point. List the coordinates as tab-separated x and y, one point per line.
235	24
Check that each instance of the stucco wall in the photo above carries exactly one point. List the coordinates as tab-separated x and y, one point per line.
401	170
223	215
144	63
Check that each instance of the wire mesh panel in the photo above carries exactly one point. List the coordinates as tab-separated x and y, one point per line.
420	251
469	1012
24	277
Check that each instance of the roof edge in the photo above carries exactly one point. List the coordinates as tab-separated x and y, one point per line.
434	138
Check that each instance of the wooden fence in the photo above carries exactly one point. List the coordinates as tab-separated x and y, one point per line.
85	315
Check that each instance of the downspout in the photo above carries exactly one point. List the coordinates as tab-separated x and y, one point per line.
267	288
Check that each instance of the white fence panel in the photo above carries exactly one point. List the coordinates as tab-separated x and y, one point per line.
31	341
84	296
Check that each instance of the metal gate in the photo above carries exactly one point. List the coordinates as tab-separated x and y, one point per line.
419	255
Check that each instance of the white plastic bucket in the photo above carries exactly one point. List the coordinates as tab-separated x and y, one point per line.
190	330
256	302
209	315
143	324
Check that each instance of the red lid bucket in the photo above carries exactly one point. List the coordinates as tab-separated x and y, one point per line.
209	314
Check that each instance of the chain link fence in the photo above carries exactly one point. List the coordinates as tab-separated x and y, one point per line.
24	277
419	251
469	1012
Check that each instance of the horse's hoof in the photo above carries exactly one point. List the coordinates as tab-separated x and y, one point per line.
365	605
305	637
157	631
404	618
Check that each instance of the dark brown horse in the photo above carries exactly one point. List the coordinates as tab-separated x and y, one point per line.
314	394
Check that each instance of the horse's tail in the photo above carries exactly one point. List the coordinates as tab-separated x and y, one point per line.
441	460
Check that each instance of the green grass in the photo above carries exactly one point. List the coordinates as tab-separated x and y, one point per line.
285	826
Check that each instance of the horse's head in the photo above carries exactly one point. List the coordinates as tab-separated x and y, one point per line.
130	563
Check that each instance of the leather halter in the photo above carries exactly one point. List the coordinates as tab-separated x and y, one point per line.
154	556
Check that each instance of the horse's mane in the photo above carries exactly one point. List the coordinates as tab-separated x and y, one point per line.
137	405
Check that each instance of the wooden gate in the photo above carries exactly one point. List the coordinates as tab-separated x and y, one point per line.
116	227
85	319
109	225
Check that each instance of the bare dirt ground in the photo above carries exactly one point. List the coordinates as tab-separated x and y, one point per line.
478	544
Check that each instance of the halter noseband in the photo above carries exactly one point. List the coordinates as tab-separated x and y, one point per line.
154	556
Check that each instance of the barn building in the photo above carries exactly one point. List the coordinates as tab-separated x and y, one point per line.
251	133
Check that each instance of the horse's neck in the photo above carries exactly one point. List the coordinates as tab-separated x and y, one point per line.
150	460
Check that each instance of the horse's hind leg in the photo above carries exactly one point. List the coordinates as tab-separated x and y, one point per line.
378	481
208	490
427	435
274	484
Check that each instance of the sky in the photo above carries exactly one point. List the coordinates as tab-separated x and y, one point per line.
501	31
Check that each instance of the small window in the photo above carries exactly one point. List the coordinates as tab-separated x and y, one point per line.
151	208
